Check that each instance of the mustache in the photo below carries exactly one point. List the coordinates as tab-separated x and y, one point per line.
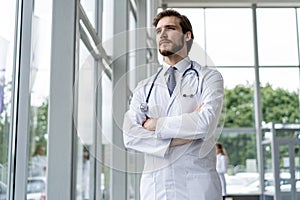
164	40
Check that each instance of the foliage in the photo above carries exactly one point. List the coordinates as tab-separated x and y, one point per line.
278	106
239	107
38	128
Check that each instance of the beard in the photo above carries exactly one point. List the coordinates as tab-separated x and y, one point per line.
175	49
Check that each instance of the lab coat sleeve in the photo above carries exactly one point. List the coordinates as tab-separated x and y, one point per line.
197	125
135	136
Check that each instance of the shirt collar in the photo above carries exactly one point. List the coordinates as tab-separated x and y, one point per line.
181	65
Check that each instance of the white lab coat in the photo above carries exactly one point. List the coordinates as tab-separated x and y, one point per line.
186	172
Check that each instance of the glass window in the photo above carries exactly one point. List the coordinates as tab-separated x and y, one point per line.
39	88
89	7
280	100
229	36
277	36
7	43
196	17
238	109
238	132
107	121
39	93
107	26
85	119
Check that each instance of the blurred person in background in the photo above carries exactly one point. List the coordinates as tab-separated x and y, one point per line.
222	163
38	163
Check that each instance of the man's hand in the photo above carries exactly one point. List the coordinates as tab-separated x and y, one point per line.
179	141
150	124
199	107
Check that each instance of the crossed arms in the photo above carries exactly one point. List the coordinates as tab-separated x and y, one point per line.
150	125
155	135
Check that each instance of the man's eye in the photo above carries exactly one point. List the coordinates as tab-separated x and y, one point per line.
158	31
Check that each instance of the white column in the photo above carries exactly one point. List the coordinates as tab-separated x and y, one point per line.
61	122
118	187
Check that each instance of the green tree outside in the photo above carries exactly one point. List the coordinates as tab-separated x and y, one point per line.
278	106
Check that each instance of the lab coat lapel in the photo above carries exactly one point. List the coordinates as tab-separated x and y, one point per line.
164	93
175	94
163	89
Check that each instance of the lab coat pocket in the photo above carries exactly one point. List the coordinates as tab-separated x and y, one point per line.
203	186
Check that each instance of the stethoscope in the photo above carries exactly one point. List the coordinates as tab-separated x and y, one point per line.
144	106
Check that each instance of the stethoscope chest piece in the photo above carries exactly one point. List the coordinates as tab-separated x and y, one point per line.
144	107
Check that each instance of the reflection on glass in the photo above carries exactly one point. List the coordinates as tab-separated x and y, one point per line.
277	36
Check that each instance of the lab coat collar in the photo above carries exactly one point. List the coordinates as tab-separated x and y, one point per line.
181	65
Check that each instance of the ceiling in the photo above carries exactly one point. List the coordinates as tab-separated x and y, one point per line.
227	3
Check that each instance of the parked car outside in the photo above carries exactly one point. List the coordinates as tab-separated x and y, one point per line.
3	190
36	188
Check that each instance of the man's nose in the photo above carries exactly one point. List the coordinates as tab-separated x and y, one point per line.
163	33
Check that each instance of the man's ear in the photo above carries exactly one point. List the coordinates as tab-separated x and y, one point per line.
188	36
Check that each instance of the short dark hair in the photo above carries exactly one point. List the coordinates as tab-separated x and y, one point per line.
184	23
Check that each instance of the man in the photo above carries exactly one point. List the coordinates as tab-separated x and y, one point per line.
175	127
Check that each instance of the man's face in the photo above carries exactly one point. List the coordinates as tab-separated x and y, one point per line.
169	36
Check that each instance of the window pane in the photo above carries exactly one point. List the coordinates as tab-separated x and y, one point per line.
196	17
229	36
89	9
39	88
106	126
277	36
239	131
85	118
238	109
107	26
7	34
280	100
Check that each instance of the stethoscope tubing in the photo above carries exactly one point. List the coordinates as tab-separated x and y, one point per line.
144	106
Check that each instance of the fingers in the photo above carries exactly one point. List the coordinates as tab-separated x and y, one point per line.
199	107
150	124
179	141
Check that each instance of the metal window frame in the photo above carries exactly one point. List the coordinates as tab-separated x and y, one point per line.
19	128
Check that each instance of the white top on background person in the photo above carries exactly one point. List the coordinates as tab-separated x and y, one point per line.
176	132
221	166
38	163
